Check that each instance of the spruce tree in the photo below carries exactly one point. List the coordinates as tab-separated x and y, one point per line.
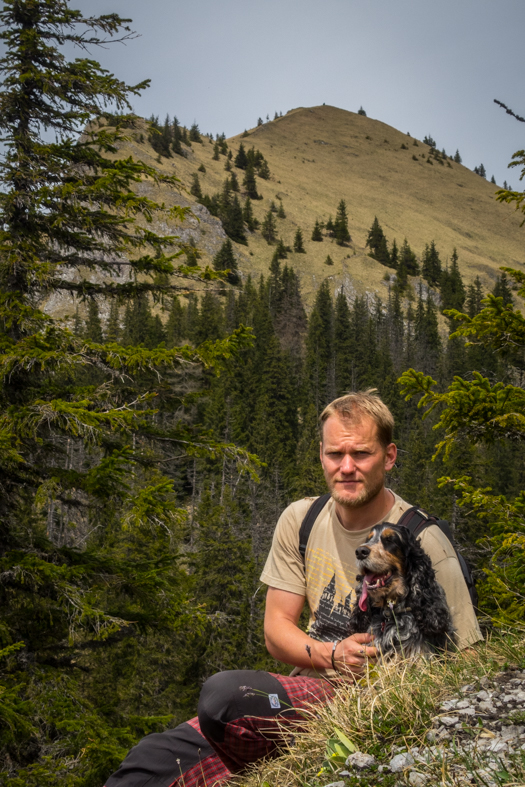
343	346
298	245
408	260
247	214
502	289
176	136
452	288
264	170
250	183
234	183
341	233
319	360
194	134
377	243
241	160
474	297
431	268
280	212
225	260
87	535
269	228
394	255
281	252
93	329
195	188
317	233
175	326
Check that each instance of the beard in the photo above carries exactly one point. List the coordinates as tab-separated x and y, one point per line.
370	489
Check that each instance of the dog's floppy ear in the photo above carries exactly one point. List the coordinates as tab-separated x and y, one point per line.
425	597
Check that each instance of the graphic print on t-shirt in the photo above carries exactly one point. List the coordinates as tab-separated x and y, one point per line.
330	586
331	619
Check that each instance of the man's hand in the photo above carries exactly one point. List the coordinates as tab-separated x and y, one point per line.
286	642
352	654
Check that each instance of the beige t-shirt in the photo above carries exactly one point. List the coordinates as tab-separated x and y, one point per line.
328	576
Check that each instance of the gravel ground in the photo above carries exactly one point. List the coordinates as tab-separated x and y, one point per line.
478	737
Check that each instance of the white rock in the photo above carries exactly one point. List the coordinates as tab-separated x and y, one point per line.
467	688
344	773
463	704
417	779
498	745
360	761
401	761
487	707
468	711
483	695
449	704
449	721
511	732
335	784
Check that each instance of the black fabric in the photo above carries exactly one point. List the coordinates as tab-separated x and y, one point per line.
309	520
159	759
234	694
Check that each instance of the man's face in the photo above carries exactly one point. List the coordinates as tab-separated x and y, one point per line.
354	461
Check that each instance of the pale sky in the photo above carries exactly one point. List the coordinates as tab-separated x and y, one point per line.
423	67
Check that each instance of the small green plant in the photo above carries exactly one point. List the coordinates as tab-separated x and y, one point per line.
415	143
329	261
403	146
202	168
337	750
367	137
414	157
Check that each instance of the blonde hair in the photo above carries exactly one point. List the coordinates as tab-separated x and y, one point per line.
354	405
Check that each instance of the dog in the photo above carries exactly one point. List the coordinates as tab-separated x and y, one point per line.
399	600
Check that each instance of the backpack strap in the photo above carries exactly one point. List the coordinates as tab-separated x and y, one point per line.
309	521
416	520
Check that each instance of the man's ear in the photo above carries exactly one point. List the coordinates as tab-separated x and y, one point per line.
390	456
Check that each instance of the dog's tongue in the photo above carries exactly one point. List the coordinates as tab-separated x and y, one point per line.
367	579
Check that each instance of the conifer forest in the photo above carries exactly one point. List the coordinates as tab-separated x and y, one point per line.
149	441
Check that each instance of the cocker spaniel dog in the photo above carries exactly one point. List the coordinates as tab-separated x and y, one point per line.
399	600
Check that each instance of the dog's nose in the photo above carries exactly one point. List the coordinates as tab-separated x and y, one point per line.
362	553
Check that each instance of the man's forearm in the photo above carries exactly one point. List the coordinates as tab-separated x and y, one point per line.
293	646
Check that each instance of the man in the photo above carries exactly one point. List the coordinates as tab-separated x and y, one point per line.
242	713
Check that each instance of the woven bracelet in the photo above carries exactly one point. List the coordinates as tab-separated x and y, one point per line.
336	643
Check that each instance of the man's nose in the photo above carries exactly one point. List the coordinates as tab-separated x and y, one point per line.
348	464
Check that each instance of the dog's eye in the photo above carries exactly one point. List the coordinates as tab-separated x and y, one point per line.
389	539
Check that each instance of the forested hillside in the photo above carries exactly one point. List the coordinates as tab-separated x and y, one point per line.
149	441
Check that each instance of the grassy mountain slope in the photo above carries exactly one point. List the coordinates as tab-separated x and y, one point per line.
321	154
